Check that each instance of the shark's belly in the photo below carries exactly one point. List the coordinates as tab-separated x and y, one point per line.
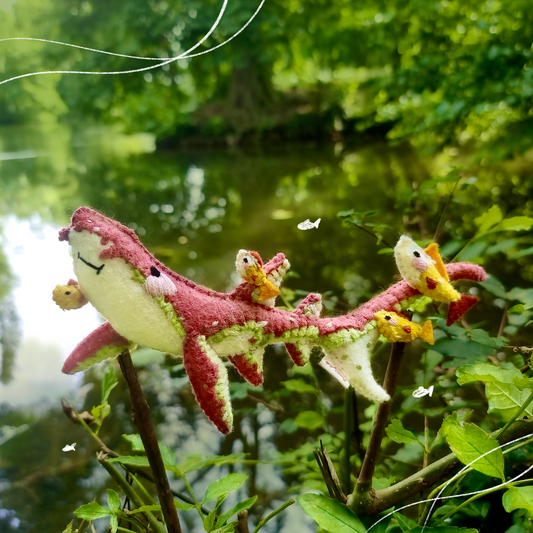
131	311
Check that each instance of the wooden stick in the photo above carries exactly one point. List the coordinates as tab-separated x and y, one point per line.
143	421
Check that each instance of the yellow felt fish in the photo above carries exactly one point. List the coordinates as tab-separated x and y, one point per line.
69	296
424	271
249	266
397	328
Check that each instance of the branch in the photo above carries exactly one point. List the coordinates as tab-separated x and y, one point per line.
143	421
427	477
362	495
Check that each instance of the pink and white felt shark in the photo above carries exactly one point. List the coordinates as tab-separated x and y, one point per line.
146	303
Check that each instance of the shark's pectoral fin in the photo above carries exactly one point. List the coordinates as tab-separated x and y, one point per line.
351	364
250	365
458	308
299	352
103	343
209	380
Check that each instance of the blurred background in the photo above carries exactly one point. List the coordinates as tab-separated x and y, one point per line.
396	110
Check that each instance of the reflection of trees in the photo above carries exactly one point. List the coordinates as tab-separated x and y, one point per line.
10	336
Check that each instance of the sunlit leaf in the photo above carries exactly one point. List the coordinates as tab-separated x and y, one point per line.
309	419
68	529
505	400
486	372
113	524
113	499
516	224
298	385
518	498
92	511
469	442
489	219
145	508
330	514
518	309
224	486
405	523
441	529
134	460
136	442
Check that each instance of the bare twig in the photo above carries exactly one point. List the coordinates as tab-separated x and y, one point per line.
329	474
143	421
242	519
450	196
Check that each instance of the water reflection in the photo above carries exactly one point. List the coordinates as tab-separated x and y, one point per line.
193	210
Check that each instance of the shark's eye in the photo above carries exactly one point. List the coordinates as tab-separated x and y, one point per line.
245	260
155	272
416	254
387	317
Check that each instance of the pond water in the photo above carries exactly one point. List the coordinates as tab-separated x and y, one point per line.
194	210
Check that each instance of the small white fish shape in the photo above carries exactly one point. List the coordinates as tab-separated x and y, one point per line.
70	447
421	392
307	224
262	324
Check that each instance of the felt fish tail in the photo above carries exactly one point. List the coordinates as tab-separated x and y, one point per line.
458	308
427	332
267	290
209	380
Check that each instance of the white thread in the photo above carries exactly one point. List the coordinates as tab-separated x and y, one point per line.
438	497
182	56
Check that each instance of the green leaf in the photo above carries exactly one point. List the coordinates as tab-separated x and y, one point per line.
224	486
399	434
518	309
518	498
167	455
523	383
193	462
330	514
386	251
505	400
489	219
494	286
241	506
486	372
442	529
136	442
183	506
482	337
134	460
113	523
68	529
109	382
309	419
516	224
145	508
92	511
405	523
469	442
113	500
209	520
298	385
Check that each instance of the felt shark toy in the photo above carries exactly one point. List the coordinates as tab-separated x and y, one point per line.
146	303
424	270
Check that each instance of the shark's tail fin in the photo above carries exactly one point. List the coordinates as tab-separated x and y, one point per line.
250	365
457	309
209	380
427	332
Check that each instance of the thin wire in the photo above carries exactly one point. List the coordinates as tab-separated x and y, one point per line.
166	62
439	497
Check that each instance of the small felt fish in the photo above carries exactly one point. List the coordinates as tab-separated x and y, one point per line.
424	271
249	266
69	447
397	328
69	296
307	224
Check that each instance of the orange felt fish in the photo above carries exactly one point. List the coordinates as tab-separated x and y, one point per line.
249	266
424	271
397	328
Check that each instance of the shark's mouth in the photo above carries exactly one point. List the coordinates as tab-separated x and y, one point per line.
98	269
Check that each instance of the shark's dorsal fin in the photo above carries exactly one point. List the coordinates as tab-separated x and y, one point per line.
433	251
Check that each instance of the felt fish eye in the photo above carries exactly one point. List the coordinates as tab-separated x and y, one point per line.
245	260
416	254
388	317
67	292
155	272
